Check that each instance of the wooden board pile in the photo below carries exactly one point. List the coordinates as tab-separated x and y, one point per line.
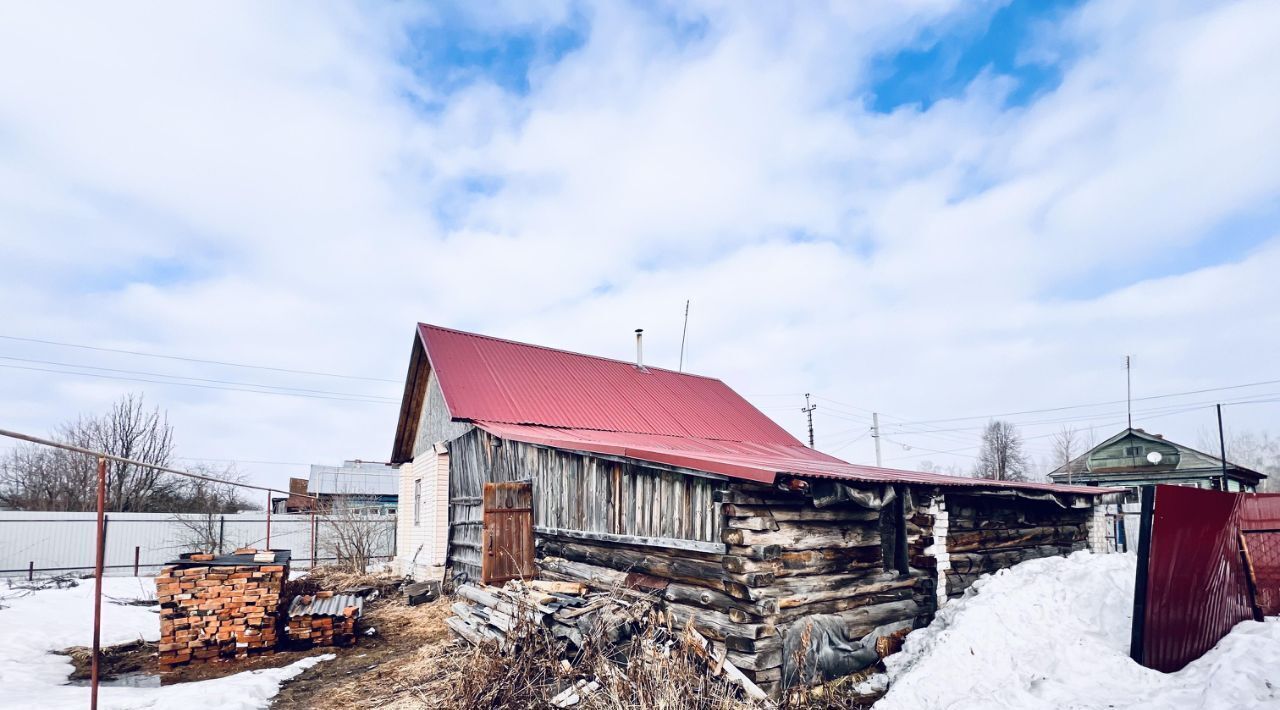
573	615
225	607
495	614
324	619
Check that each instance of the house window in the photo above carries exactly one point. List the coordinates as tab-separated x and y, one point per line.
417	502
1133	451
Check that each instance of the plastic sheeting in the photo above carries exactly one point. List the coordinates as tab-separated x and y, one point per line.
818	648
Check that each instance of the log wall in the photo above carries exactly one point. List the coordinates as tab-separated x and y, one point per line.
990	533
784	561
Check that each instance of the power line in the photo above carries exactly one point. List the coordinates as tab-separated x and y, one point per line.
192	384
194	359
196	379
1098	404
133	462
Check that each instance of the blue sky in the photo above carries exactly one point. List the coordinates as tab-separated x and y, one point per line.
928	210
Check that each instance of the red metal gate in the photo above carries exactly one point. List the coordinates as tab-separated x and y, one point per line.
507	547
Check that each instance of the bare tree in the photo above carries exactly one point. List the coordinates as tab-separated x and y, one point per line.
1067	444
1001	456
351	536
200	506
1258	450
37	477
928	466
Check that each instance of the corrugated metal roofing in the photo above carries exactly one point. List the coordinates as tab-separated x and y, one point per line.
748	460
233	560
494	380
353	478
326	606
556	398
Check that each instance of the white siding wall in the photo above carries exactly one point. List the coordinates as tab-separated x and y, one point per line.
423	533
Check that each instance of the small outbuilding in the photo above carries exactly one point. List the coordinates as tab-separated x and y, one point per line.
518	460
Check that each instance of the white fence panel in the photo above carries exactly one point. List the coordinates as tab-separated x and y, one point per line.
47	543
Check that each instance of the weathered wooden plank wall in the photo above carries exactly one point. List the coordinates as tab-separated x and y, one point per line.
578	496
589	494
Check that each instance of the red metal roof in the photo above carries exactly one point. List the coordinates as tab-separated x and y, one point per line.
488	379
752	461
556	398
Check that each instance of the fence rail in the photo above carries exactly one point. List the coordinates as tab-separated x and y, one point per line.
41	542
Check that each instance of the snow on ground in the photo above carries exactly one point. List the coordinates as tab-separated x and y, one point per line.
33	626
1054	633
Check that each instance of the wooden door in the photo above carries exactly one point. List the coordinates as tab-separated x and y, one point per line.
507	547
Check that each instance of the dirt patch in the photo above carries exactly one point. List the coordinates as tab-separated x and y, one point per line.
370	674
139	658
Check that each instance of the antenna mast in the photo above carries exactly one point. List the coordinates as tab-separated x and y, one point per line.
808	409
1128	390
683	335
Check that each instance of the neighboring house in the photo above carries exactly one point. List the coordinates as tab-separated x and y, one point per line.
612	473
362	487
298	500
1133	458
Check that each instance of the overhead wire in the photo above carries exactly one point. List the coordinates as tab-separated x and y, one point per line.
184	358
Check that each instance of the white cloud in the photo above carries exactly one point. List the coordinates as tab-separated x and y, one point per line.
251	185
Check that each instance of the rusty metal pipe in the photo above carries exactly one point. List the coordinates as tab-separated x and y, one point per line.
97	583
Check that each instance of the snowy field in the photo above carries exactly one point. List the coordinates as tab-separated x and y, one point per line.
1051	633
33	626
1054	633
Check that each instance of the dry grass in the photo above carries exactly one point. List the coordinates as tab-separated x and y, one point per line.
424	667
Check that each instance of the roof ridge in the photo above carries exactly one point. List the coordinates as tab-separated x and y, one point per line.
562	351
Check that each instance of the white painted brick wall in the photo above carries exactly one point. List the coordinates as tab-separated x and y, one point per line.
1097	527
938	550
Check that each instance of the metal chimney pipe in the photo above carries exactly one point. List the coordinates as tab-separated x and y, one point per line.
640	348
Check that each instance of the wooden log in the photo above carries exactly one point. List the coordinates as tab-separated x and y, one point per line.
841	604
841	589
968	541
801	536
760	522
770	658
806	513
716	624
864	620
463	629
755	552
727	667
659	563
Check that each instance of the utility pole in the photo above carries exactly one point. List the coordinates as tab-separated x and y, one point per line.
875	434
1222	448
808	409
1128	390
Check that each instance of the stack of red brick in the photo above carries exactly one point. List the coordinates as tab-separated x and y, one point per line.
324	619
220	607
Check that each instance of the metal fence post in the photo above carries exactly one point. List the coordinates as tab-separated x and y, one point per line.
268	520
313	538
222	528
137	552
100	554
31	570
1138	636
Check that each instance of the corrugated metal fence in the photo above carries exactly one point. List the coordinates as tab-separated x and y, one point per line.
46	543
1194	583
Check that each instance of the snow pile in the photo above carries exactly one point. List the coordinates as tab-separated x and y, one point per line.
35	625
1054	633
